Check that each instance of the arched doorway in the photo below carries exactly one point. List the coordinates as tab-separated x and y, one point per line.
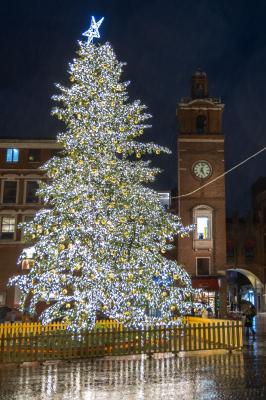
244	287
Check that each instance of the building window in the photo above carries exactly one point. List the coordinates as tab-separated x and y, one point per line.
34	155
12	155
165	199
249	249
8	226
17	296
230	251
31	189
203	266
2	300
26	219
200	124
10	192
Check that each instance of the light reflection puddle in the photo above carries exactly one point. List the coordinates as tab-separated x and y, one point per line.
188	378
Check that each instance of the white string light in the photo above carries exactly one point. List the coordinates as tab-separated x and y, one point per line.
220	176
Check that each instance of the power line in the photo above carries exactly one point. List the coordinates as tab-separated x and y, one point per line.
220	176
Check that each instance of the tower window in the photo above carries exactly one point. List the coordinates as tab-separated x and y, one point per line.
202	218
201	124
203	230
12	155
199	91
203	266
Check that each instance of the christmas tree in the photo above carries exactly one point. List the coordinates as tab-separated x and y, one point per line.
100	242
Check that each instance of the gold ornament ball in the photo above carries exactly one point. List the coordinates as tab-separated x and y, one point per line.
164	294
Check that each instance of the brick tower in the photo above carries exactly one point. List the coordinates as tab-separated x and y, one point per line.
200	160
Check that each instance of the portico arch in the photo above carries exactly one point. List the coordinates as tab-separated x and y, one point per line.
243	290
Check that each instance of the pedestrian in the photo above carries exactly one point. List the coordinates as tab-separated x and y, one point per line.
210	313
250	314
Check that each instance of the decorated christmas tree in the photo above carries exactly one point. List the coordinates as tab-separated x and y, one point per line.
100	241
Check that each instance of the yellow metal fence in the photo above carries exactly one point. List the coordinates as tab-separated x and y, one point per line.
214	333
23	328
64	345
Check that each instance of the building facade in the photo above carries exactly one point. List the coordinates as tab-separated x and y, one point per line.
19	176
246	252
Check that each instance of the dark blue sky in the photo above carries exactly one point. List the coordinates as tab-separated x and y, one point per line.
163	43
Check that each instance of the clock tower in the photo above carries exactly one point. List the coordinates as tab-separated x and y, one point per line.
200	161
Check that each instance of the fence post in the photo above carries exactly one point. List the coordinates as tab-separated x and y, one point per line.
2	354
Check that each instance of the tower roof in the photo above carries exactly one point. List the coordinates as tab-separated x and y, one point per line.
200	73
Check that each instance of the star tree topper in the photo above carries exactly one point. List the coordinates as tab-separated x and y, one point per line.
93	32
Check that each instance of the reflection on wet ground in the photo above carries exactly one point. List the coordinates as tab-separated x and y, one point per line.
220	377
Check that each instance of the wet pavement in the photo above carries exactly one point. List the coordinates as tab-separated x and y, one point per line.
221	377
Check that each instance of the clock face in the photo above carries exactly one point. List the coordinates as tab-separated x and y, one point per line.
202	169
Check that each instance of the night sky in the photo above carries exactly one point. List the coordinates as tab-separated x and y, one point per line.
163	43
